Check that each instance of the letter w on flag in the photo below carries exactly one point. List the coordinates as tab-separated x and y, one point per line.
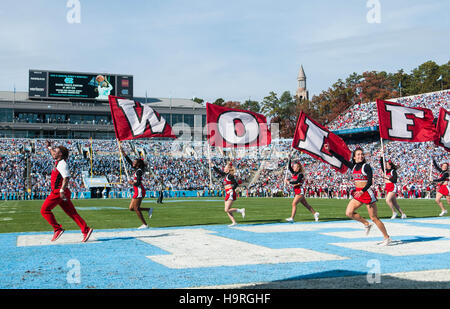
443	129
310	137
407	124
229	127
133	120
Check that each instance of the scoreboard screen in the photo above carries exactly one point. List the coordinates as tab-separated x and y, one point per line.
97	86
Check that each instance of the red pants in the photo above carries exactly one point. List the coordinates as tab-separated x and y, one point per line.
52	201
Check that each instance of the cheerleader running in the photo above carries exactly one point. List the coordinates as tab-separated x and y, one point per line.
230	184
297	182
443	186
139	190
390	179
362	175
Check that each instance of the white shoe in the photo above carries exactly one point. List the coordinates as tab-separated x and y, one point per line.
385	242
316	216
243	212
404	216
143	226
232	224
290	220
368	228
444	212
150	213
394	215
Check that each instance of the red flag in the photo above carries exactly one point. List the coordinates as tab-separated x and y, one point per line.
229	127
443	129
310	137
408	124
134	120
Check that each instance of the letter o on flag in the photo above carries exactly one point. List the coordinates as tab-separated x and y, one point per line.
226	124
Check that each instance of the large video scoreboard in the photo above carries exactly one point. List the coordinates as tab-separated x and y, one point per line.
72	85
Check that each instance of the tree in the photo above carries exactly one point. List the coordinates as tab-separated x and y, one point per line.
251	106
198	100
232	104
219	102
376	85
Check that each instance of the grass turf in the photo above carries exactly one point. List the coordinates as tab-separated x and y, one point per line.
24	216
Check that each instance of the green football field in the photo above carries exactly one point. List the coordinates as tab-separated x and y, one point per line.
24	216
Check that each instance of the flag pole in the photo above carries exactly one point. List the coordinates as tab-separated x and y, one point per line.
286	169
209	163
384	160
121	157
91	155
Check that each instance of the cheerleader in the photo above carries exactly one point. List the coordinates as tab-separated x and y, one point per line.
362	175
443	186
139	191
230	185
390	179
296	181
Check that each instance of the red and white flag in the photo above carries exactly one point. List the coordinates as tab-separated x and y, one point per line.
134	120
229	127
407	124
443	129
310	137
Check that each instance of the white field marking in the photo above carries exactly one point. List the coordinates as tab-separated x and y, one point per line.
6	219
298	227
434	221
394	229
400	248
389	280
193	248
198	248
70	238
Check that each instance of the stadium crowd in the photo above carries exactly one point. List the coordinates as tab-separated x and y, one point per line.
365	114
188	165
261	174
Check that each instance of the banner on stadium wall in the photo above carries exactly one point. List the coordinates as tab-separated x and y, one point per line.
310	137
406	124
443	129
229	127
133	120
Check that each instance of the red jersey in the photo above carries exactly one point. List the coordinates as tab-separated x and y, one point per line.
59	172
359	175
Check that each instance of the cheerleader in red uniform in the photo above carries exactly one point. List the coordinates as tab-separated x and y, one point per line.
362	175
138	189
230	185
390	179
297	182
443	186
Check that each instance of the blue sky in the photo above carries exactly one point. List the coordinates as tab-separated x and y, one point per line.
230	49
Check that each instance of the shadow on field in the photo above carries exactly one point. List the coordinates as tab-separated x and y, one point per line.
345	279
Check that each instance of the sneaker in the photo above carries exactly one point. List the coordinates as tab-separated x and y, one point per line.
404	216
232	224
143	226
394	215
385	242
150	213
316	216
368	228
87	235
57	234
290	220
243	213
444	212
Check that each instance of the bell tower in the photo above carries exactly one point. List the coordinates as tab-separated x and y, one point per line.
302	92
